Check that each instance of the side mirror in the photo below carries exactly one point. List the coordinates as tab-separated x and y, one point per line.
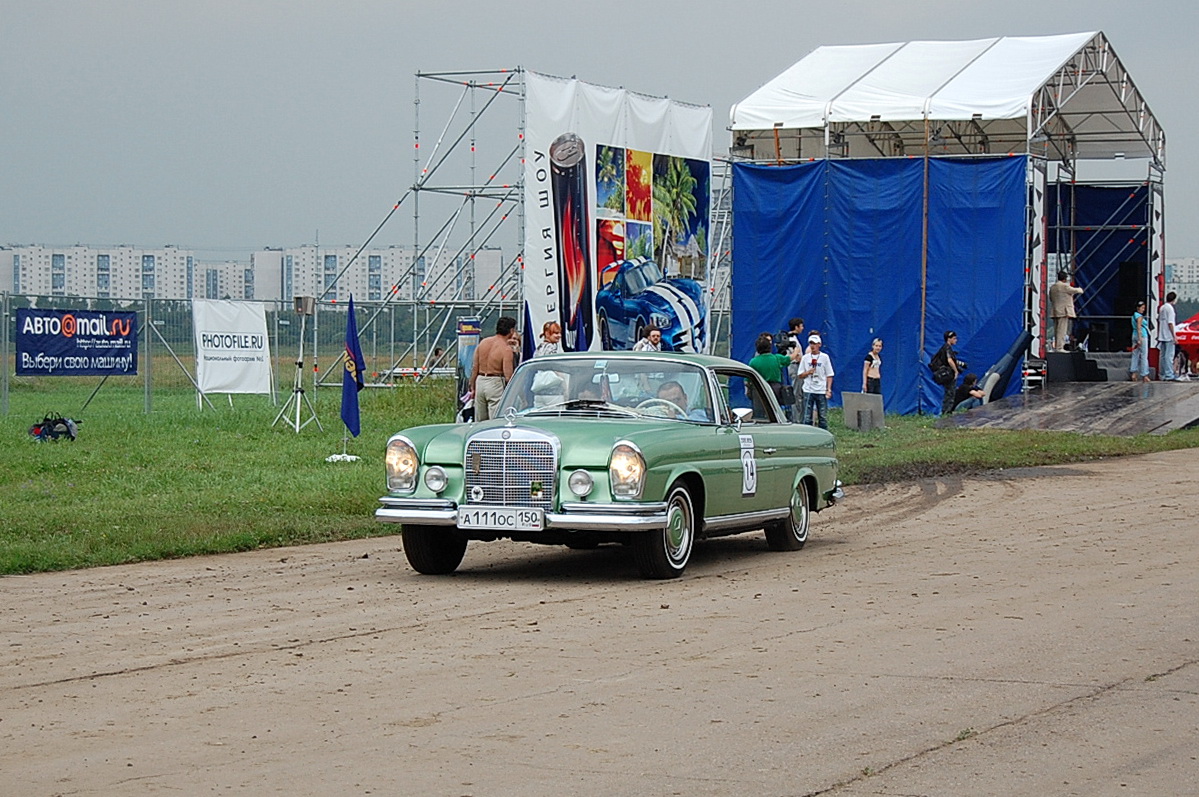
740	415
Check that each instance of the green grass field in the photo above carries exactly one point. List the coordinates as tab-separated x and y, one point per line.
181	481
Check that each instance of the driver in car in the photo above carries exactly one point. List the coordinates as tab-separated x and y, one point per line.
673	392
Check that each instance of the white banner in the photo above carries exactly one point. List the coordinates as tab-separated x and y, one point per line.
617	215
232	349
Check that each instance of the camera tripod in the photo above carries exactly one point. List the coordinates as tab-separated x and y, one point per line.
299	398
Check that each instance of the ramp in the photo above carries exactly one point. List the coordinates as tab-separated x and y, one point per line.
1114	408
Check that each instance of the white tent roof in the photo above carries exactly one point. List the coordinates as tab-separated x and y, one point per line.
1069	85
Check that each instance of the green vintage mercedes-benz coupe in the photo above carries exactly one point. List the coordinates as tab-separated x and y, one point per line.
653	450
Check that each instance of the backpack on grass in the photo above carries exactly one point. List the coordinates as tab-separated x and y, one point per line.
54	427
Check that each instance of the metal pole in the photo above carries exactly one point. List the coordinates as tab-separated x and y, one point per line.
316	324
374	348
275	349
4	312
474	181
149	347
520	205
416	182
924	257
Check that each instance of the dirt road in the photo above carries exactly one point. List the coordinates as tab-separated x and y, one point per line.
1021	633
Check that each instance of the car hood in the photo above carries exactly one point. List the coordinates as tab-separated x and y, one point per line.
1188	330
675	294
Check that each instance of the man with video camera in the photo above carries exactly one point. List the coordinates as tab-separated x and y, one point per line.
789	342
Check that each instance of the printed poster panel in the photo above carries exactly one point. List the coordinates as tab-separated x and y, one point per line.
76	343
617	215
232	349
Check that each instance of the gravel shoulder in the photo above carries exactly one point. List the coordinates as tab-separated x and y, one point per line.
1017	632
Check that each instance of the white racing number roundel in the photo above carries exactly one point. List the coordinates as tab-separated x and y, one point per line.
749	466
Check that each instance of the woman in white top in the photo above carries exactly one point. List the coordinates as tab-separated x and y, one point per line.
872	374
551	335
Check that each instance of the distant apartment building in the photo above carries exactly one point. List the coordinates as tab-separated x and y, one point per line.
1182	277
333	273
377	274
122	272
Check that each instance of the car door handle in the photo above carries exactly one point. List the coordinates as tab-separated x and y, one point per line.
769	450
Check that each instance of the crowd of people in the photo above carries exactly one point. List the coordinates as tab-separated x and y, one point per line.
806	366
800	373
809	372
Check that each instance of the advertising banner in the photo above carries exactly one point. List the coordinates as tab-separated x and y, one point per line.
617	216
232	349
76	343
470	330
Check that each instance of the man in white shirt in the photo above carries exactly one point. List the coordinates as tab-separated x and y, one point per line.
650	341
1166	340
817	375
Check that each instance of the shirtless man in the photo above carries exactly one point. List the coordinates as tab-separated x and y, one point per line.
494	359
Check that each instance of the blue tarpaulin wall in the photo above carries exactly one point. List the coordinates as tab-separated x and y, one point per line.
839	244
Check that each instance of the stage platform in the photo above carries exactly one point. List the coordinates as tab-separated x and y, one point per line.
1115	408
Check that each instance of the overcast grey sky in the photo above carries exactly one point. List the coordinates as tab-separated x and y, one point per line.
228	125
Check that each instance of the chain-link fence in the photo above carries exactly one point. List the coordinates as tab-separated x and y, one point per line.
399	340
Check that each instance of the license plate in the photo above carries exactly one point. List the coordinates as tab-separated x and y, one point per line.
500	518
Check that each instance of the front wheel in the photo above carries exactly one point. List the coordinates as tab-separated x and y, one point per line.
638	331
433	550
665	553
791	533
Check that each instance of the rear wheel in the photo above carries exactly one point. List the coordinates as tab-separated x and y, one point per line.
791	534
433	550
665	553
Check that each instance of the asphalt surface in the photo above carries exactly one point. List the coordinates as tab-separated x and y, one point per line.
1030	632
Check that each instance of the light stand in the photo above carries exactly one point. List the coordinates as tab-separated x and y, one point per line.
305	306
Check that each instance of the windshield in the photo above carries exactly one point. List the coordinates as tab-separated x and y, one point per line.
642	276
642	386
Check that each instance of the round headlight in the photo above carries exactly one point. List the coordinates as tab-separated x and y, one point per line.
435	478
626	470
402	465
580	483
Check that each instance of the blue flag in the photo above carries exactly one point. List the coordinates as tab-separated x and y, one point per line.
351	381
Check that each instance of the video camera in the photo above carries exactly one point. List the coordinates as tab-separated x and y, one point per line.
783	342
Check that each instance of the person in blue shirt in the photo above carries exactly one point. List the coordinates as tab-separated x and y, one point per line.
1139	364
673	392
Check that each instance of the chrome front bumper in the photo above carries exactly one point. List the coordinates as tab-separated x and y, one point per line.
574	516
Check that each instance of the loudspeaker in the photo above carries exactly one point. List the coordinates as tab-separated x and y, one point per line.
305	305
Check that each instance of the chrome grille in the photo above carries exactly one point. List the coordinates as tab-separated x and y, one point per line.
518	471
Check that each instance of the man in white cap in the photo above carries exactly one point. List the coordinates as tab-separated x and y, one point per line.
816	371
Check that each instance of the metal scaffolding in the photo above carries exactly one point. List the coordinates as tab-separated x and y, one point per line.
472	185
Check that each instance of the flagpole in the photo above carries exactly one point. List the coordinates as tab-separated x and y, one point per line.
352	382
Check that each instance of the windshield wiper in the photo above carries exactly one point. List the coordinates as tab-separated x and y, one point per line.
598	405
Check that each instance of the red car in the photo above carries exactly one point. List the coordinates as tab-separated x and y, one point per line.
1187	357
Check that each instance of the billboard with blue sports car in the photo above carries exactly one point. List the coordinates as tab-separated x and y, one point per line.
636	293
615	183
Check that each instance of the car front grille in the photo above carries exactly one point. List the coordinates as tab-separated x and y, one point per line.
518	471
